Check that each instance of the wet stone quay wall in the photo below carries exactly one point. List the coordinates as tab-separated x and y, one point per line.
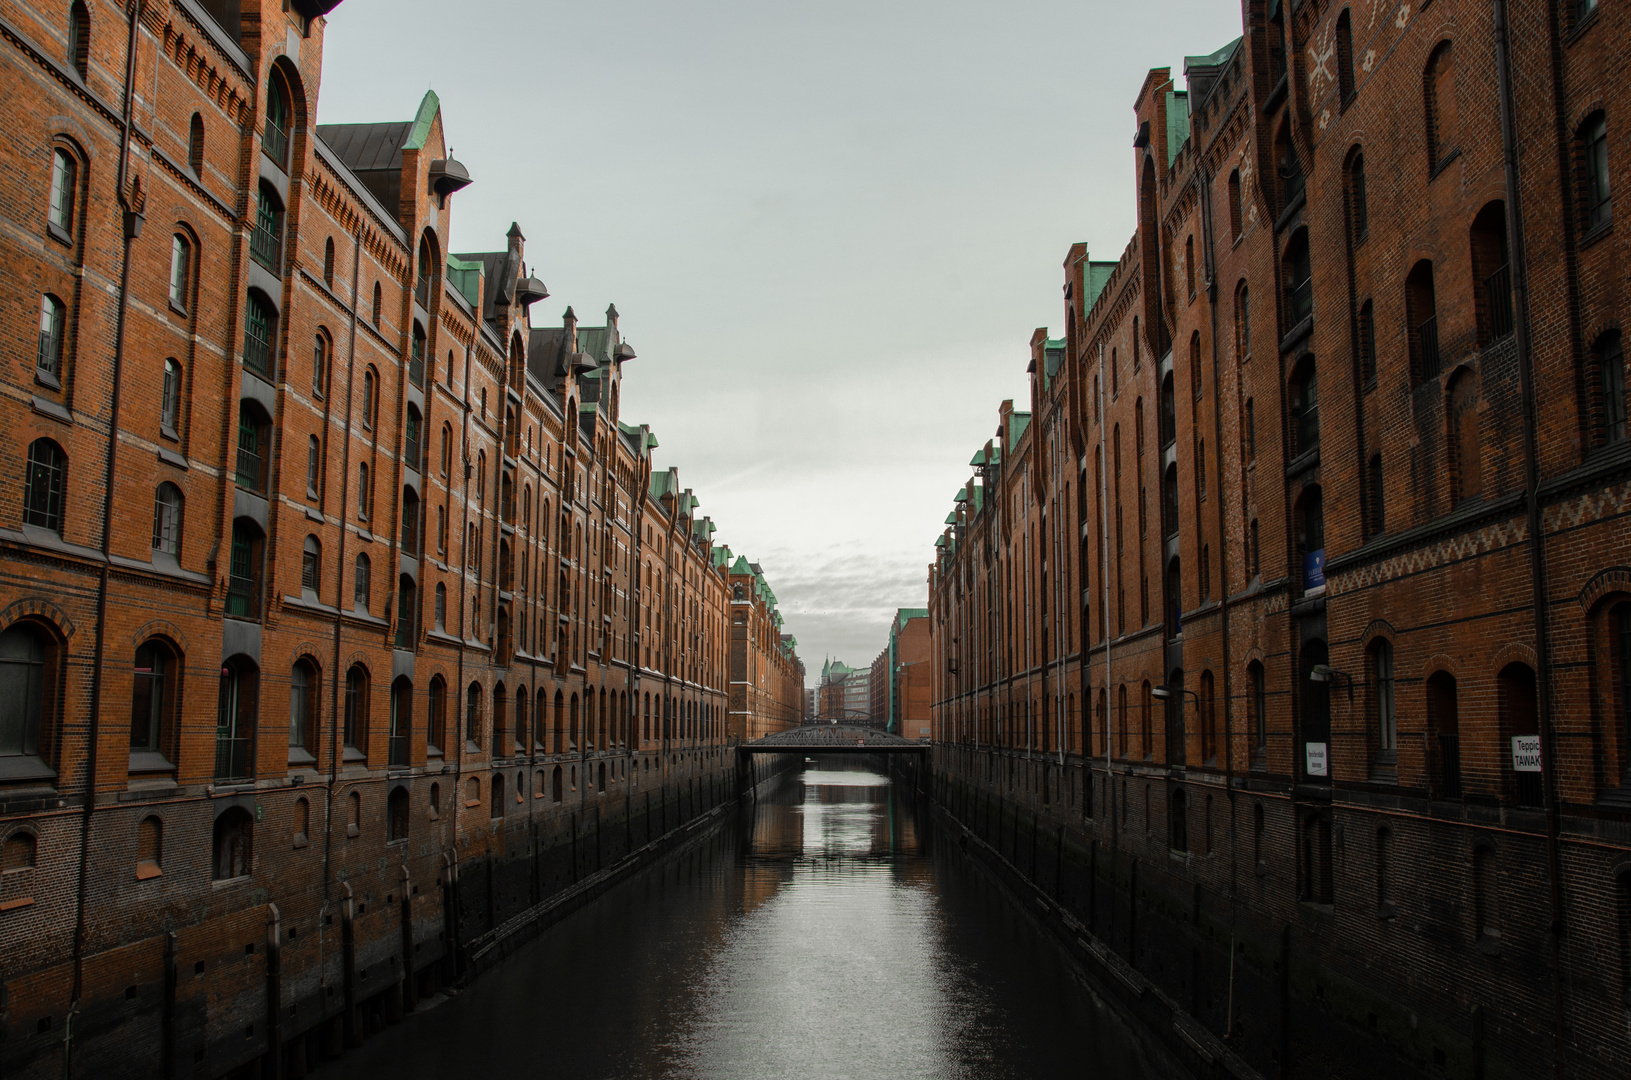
308	968
1229	987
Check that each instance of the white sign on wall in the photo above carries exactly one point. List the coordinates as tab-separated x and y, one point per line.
1318	763
1526	753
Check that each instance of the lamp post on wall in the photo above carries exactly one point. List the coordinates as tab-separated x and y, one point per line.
1172	694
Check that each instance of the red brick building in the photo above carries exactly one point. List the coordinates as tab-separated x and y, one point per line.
1311	552
342	616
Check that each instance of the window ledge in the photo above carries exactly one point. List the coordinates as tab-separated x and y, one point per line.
147	872
1443	163
149	761
178	309
57	233
25	767
17	903
1295	336
47	407
170	457
1582	26
352	830
1596	233
353	754
1291	210
299	755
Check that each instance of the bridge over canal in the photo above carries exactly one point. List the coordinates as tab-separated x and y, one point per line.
830	738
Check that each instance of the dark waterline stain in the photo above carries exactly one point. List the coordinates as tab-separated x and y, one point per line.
829	933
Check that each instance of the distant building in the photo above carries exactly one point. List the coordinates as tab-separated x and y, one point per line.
845	693
900	684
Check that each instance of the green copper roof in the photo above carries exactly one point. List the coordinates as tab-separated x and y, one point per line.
428	108
1094	279
961	496
1215	59
1017	423
742	566
465	277
1177	122
978	459
940	541
951	518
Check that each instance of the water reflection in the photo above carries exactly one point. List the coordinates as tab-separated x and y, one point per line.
826	935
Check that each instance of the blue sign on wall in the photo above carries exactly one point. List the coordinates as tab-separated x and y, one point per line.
1314	570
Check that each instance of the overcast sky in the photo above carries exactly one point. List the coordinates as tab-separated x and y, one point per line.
829	227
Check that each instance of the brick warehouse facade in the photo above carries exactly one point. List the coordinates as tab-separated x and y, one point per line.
1242	624
342	618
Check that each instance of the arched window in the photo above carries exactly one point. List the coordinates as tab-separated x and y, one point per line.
1169	501
416	360
481	479
314	467
154	697
236	710
48	357
353	813
401	730
266	242
1466	455
1243	323
436	726
1358	206
1298	274
233	844
167	506
1237	223
254	447
319	367
354	733
1257	712
379	304
441	607
79	39
1169	412
472	715
1345	57
170	400
1421	314
195	145
311	568
1444	734
407	610
1175	598
25	689
1178	819
64	194
1592	140
410	522
1519	711
1492	277
275	140
149	848
245	567
365	491
1608	360
447	449
1303	398
181	259
370	398
1375	517
421	286
1288	168
555	788
303	687
260	334
328	262
1189	266
522	715
396	815
1254	564
1310	525
1384	718
1439	94
362	583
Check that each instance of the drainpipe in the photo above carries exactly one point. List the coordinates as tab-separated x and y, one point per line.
132	217
339	597
1535	523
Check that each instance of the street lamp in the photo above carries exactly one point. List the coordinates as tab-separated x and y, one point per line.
1177	748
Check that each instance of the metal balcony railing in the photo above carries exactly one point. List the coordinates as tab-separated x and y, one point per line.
1427	347
1498	292
250	470
265	247
276	143
258	355
1299	302
1449	766
232	758
398	748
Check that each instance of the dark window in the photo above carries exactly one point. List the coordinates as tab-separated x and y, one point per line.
170	400
43	485
472	715
1367	343
254	447
406	612
153	697
23	655
361	583
266	243
1610	362
311	567
1383	713
1444	739
1310	522
379	302
79	39
441	606
1299	280
1169	412
1492	276
314	466
1304	402
233	844
1259	709
355	731
436	730
319	366
236	710
195	145
302	706
180	271
260	332
328	262
1358	208
167	507
244	581
64	192
1169	502
365	491
1243	323
275	141
397	813
1439	93
370	398
1485	895
1289	168
410	522
1594	148
149	848
401	731
1236	222
48	358
1254	566
416	360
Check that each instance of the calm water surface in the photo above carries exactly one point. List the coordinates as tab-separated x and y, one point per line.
830	933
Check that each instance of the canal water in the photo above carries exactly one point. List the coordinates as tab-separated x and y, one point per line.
831	932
